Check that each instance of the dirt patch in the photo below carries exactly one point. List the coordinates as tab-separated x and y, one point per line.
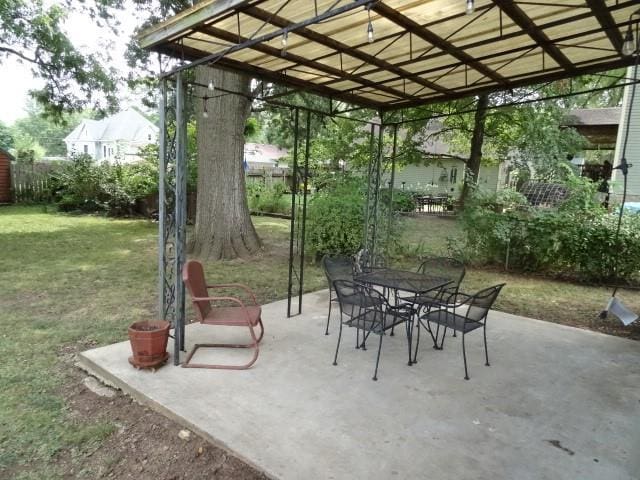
143	443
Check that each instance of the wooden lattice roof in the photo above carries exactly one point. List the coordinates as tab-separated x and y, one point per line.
423	51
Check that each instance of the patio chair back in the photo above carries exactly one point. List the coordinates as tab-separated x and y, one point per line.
337	267
481	302
193	277
443	267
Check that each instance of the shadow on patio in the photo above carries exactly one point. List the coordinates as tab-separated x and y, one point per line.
557	402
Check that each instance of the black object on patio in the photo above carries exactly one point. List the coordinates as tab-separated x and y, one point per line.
440	267
373	314
463	313
336	267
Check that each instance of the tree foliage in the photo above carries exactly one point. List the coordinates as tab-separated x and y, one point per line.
32	32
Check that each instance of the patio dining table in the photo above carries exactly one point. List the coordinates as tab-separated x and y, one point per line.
406	280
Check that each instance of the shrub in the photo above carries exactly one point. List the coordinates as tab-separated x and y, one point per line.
403	201
86	186
78	185
334	218
576	239
268	198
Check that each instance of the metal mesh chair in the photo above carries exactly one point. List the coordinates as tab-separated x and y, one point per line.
440	267
336	267
368	310
222	310
463	313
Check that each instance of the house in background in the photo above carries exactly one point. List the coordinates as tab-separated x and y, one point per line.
115	138
443	170
260	156
600	127
264	164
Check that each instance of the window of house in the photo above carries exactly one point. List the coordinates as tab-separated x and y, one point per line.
104	150
86	149
453	176
149	137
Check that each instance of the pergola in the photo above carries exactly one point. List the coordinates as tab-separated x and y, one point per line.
383	55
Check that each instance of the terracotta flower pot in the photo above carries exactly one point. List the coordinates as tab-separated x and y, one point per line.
149	343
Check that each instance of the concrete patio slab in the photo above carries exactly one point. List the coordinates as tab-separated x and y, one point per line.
557	402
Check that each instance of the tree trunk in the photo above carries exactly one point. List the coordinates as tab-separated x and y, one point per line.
475	156
223	225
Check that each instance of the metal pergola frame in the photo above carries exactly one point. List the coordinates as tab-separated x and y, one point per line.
173	154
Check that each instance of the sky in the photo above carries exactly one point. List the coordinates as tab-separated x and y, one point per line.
17	80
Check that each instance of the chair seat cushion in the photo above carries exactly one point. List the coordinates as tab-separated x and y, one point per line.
233	315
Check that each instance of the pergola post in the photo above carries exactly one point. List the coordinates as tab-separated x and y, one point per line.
181	213
392	180
298	214
373	192
172	215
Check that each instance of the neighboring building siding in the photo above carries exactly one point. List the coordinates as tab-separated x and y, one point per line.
437	177
633	146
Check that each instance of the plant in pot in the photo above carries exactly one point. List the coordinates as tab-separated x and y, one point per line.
149	340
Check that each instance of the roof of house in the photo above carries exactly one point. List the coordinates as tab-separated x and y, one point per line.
263	153
593	116
123	126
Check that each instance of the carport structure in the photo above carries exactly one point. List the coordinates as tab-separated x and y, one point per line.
384	55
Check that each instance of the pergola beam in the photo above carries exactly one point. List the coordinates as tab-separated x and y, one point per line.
544	77
278	53
430	37
185	21
521	19
607	22
339	47
190	53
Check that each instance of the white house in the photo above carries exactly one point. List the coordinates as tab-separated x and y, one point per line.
444	169
259	156
115	138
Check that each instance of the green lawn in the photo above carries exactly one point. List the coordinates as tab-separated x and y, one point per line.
72	282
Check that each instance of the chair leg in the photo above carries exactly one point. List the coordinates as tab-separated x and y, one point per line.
415	352
326	332
444	334
375	373
335	358
254	345
464	357
409	327
486	353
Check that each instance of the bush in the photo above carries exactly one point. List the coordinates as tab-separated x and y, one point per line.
403	201
576	239
86	186
334	218
268	198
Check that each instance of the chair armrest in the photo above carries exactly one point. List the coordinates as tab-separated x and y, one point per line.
454	300
236	285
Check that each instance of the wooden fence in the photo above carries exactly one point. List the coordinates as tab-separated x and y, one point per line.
31	182
269	177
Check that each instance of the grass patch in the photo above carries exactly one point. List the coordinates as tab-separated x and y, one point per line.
71	282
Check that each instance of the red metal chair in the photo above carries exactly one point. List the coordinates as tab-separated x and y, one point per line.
210	312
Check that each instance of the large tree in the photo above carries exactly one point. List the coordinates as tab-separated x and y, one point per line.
223	224
31	31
